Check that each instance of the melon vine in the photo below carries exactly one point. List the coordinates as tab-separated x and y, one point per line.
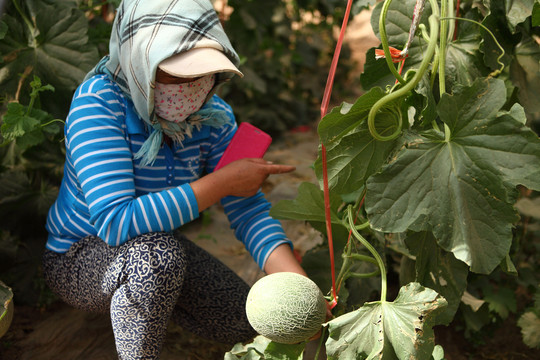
426	165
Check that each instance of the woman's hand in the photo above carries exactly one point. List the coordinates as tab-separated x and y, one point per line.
245	177
240	178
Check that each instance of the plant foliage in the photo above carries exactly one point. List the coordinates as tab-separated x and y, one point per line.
430	162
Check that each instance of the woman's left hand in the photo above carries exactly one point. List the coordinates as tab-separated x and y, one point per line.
242	178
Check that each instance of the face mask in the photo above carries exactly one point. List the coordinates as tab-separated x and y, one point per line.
176	102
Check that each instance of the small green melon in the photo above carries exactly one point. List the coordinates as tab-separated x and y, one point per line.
286	307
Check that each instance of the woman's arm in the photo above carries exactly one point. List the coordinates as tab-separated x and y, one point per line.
241	178
282	259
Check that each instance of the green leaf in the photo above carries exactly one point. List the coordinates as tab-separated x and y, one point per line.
25	128
262	348
275	351
352	153
360	5
401	329
525	74
3	31
517	11
508	266
502	302
464	61
308	206
56	49
536	13
462	189
497	23
438	270
251	351
438	353
497	142
422	99
474	320
15	123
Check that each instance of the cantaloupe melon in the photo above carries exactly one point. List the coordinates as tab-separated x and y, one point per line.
286	307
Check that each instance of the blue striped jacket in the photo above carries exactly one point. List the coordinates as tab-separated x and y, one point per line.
105	192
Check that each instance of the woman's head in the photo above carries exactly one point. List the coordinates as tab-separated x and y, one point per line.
147	33
196	72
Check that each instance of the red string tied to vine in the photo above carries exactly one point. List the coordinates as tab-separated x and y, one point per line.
324	110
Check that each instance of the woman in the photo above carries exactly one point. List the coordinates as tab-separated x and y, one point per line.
143	136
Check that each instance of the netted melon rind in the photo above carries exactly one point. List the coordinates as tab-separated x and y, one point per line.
286	307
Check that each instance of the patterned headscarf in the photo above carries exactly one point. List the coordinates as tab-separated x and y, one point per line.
146	32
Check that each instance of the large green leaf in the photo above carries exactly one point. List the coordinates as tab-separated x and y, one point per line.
352	153
387	330
462	189
438	270
54	47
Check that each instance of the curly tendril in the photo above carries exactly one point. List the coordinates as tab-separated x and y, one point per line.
405	89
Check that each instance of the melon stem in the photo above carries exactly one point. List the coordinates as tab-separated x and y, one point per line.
373	252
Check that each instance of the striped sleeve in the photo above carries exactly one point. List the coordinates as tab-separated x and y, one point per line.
252	224
102	160
249	217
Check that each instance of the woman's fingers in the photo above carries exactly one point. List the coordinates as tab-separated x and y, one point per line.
279	169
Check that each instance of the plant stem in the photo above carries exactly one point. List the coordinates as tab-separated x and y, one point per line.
451	24
442	59
442	47
53	121
321	341
363	258
432	44
363	275
384	42
31	104
373	252
347	255
27	21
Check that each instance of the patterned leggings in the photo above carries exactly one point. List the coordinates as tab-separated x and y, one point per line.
145	283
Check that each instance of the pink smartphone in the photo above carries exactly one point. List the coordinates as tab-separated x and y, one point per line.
248	142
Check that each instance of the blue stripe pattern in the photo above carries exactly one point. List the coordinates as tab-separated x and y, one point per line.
105	192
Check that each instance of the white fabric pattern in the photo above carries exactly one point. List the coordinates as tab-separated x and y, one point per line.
175	102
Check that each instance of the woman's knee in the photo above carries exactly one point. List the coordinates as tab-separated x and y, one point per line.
157	253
